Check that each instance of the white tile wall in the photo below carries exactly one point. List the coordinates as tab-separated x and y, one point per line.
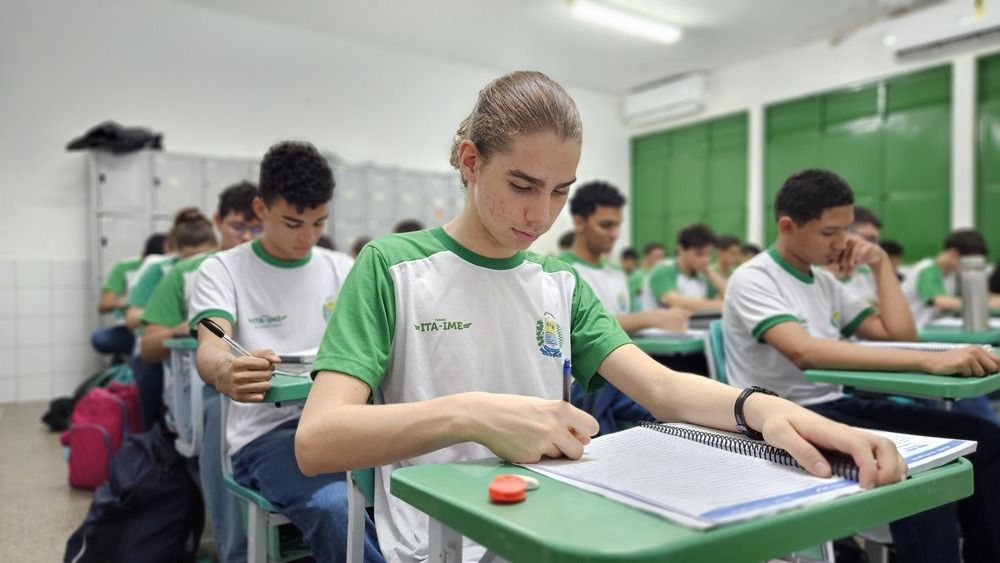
47	312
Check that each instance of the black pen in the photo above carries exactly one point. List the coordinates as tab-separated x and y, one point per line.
217	330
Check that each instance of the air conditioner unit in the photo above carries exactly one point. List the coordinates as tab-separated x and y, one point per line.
666	99
954	32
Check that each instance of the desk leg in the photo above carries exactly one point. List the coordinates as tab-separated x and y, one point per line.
445	543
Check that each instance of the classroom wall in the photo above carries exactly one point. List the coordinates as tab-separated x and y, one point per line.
215	84
819	66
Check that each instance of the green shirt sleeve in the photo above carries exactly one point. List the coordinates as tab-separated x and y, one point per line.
663	279
710	290
166	305
593	335
145	286
116	278
358	338
930	284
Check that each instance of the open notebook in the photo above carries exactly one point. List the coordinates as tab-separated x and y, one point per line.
956	322
701	486
919	346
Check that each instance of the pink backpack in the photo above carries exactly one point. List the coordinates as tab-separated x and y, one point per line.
99	424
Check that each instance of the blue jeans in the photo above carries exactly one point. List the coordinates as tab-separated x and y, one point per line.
316	505
609	406
223	507
977	406
149	378
117	339
929	536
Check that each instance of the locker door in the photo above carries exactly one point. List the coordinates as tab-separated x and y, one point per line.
219	174
380	187
411	189
177	183
120	237
122	181
436	201
162	224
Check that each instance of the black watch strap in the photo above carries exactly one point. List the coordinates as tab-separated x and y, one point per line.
741	421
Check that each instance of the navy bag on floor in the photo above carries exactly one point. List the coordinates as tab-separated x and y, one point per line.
149	510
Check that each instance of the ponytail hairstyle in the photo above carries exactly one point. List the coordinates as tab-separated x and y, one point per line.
191	229
519	103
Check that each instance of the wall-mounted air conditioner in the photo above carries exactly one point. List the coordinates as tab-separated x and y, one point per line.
953	30
666	99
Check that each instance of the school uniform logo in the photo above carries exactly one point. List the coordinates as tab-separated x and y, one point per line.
441	324
267	321
549	336
328	308
835	319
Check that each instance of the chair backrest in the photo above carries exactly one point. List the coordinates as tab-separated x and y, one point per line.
716	352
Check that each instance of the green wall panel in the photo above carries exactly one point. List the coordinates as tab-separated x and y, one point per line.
988	152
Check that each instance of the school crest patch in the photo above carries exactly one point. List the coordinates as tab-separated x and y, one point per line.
549	336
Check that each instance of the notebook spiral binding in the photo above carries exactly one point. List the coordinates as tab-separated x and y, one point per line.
840	466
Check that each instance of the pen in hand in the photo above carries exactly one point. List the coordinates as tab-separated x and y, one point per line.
567	374
217	330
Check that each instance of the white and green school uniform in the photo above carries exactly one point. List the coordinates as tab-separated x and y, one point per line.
767	291
667	276
609	282
862	284
168	306
422	317
271	303
925	282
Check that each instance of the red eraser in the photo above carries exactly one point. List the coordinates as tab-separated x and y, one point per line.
507	489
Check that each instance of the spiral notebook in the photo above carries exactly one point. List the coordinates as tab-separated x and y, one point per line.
919	346
702	478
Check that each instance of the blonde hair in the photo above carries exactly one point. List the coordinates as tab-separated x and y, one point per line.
519	103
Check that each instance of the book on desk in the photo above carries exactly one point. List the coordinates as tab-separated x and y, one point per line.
703	486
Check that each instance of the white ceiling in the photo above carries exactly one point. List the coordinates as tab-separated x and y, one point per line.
542	35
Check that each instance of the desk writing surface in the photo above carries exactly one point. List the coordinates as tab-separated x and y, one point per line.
909	383
956	335
656	346
182	343
288	388
559	522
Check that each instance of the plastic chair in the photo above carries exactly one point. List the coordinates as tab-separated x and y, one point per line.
360	497
264	543
715	352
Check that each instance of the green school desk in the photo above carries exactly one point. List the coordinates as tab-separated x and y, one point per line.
657	346
956	335
561	523
288	389
910	384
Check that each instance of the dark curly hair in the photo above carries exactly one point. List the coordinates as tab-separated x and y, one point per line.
238	198
806	194
697	235
589	196
297	173
968	242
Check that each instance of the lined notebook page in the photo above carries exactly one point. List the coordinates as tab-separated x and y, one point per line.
919	346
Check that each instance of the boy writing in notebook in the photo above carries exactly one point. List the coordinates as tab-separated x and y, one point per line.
686	281
458	335
784	315
596	208
274	296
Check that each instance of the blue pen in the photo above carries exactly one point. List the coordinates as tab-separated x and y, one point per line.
567	378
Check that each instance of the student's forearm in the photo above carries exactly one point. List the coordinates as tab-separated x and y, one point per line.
692	303
718	281
631	322
151	344
212	361
894	311
347	436
109	302
821	353
132	317
947	303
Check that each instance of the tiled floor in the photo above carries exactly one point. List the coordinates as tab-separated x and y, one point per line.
38	510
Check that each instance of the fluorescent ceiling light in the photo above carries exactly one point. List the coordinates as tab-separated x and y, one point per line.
626	22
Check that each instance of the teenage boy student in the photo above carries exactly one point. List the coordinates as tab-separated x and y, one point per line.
727	255
652	253
931	287
686	281
450	343
783	315
860	280
596	208
165	315
274	296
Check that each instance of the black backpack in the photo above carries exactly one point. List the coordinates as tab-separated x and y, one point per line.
149	510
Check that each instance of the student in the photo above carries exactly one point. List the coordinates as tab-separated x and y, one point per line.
629	260
748	251
566	241
861	280
324	241
274	296
191	234
596	208
488	378
727	255
783	316
652	253
932	284
359	243
408	226
895	252
686	281
118	339
166	315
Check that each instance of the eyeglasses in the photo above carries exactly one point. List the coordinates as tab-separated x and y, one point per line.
242	228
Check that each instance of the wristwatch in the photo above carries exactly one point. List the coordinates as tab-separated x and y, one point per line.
741	421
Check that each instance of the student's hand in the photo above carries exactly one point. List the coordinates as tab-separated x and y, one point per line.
670	319
523	429
970	360
800	432
249	377
858	251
